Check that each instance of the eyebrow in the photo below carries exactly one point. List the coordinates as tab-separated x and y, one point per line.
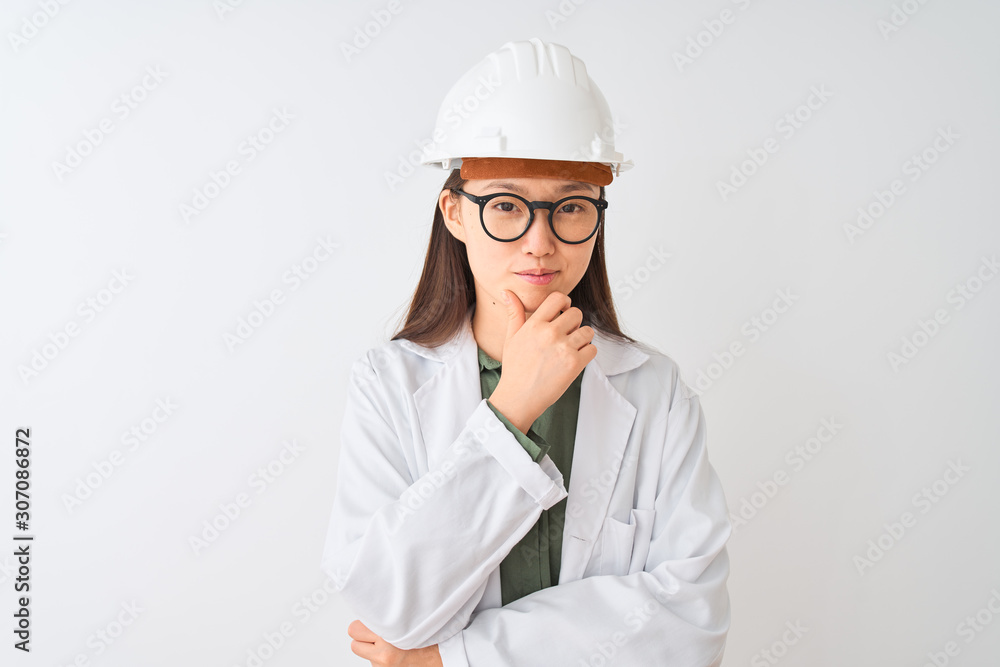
568	187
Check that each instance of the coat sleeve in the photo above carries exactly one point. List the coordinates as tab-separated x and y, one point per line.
413	556
673	613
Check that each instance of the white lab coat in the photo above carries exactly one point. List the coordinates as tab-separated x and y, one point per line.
433	492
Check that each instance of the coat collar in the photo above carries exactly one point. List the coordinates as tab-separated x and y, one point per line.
604	426
613	356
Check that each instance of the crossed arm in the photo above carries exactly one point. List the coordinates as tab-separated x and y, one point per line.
413	557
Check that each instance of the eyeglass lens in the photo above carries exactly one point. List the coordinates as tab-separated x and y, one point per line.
574	219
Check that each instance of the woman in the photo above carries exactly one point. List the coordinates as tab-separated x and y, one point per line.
456	533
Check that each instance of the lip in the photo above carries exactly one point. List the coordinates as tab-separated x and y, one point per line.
540	278
536	272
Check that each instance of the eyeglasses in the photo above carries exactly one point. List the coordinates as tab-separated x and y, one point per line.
506	217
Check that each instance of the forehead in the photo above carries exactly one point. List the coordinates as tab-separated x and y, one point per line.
527	185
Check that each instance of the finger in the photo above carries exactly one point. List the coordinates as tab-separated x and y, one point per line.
515	314
358	630
390	655
569	321
364	650
550	307
581	338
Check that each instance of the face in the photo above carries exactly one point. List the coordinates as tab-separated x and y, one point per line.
495	265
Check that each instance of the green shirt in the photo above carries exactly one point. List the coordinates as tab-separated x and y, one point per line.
533	564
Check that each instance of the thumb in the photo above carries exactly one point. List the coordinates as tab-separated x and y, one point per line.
515	313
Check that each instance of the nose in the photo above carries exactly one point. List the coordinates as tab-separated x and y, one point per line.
539	239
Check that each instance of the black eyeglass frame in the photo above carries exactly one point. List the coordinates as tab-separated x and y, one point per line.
601	204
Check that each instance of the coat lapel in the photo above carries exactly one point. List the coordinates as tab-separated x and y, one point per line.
602	431
445	401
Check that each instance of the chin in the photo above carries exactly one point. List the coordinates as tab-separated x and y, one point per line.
531	304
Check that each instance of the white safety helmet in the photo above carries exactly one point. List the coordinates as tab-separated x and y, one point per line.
529	99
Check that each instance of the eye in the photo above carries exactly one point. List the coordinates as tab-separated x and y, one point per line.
506	206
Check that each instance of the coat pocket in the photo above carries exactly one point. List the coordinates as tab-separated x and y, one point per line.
625	546
616	546
643	520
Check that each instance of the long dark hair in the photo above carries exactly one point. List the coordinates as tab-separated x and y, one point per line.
446	289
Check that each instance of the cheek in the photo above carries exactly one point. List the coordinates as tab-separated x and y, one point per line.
485	260
581	260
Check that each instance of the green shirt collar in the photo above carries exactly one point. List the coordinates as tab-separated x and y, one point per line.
486	361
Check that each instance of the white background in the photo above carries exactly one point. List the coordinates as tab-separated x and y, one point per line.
686	126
